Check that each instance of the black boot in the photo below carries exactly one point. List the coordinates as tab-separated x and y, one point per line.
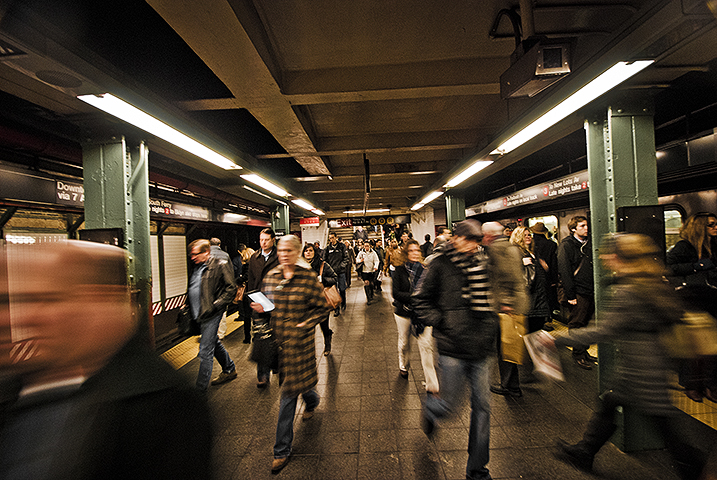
575	455
369	293
343	300
327	343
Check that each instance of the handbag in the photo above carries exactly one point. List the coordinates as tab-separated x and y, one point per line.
265	348
186	325
512	330
333	297
240	294
695	335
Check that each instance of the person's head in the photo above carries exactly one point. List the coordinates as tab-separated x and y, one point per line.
467	235
360	243
317	244
699	229
404	237
413	251
367	246
427	237
578	226
491	231
379	243
446	233
266	240
199	251
523	238
215	242
632	255
288	249
69	309
241	247
333	238
359	228
394	244
309	253
540	229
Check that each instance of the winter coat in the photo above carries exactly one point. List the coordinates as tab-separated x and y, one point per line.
695	277
572	254
218	288
536	286
257	268
337	256
369	260
328	278
506	275
300	299
637	311
439	302
401	286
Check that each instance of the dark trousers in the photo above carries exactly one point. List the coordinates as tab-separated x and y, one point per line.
580	315
602	425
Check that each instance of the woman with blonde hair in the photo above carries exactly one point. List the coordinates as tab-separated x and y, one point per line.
692	264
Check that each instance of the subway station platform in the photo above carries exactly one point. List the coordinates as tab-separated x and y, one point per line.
367	426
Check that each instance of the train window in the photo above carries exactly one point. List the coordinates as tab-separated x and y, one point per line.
673	222
550	222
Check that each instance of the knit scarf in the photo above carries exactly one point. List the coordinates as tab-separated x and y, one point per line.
475	268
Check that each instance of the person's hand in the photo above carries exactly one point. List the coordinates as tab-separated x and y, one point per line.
301	325
256	307
574	301
544	265
506	309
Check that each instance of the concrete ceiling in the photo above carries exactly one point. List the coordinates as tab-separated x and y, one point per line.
309	93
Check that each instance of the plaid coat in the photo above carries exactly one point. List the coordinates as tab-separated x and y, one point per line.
299	299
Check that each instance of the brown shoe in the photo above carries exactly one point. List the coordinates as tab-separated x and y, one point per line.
694	395
224	377
278	464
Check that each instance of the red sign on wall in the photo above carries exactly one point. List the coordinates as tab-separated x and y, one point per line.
309	221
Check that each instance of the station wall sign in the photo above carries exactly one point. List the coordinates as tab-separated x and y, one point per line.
309	221
568	185
370	221
178	210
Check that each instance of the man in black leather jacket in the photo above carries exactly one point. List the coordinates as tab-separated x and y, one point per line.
337	256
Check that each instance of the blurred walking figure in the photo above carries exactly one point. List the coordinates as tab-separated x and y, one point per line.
534	282
336	254
216	250
211	288
454	297
546	251
300	305
405	280
641	306
692	262
367	262
84	397
327	277
575	261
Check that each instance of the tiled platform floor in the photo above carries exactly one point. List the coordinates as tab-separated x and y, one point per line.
367	426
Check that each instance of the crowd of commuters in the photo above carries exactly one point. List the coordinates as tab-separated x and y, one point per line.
447	294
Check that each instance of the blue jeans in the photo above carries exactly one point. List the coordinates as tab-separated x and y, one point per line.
285	425
453	374
209	347
341	282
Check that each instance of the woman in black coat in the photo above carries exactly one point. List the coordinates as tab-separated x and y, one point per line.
692	264
328	278
641	306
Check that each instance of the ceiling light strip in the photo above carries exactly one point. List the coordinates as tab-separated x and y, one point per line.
265	184
134	116
604	82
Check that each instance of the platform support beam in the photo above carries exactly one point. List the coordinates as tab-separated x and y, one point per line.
280	220
455	210
622	169
116	183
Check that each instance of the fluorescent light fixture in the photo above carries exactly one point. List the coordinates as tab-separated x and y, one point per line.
467	173
265	184
303	204
427	199
375	210
318	212
609	79
132	115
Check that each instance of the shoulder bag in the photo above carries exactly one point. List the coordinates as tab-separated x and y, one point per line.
240	294
695	335
186	324
333	297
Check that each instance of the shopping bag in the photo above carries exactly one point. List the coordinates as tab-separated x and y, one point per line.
544	353
512	330
695	335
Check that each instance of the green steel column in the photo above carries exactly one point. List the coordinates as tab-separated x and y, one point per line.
117	196
280	220
455	210
623	172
